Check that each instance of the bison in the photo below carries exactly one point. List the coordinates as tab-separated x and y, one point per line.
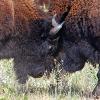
22	37
78	40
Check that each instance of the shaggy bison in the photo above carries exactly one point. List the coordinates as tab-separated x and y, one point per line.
23	38
78	40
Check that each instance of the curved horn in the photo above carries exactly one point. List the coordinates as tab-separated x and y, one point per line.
56	26
56	29
54	23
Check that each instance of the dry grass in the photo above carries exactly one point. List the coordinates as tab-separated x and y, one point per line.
77	86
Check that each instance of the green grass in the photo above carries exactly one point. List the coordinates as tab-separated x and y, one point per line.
77	86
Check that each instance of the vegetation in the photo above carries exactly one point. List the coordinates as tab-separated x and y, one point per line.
77	86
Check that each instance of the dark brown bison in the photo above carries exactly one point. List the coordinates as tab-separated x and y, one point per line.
78	41
22	37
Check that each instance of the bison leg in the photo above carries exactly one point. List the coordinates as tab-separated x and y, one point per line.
96	91
20	70
21	75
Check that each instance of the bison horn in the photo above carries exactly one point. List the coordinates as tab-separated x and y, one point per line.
56	26
54	23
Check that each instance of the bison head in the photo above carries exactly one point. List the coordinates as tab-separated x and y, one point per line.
72	55
33	52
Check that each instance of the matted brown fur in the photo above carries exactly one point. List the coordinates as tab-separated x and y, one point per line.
59	6
6	18
17	12
27	8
